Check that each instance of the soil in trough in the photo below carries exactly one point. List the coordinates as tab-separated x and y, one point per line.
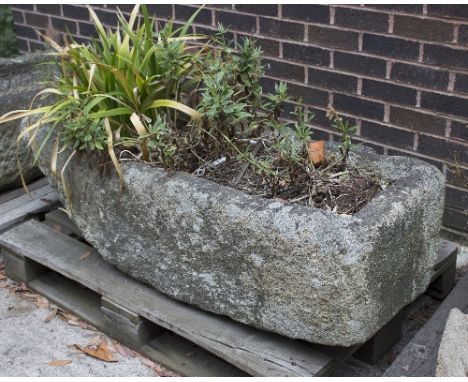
344	191
333	186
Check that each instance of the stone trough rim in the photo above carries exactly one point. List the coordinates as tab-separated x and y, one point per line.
409	180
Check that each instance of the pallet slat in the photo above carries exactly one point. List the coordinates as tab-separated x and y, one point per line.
445	255
255	352
12	194
17	209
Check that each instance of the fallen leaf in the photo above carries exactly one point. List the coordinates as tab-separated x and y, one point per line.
22	288
165	373
106	347
73	320
3	277
67	315
94	341
316	152
51	315
30	295
42	302
84	325
123	350
158	369
61	362
84	256
147	362
101	352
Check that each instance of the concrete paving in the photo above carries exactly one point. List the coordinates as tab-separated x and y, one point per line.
28	344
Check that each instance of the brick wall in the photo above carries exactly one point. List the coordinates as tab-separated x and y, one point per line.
399	71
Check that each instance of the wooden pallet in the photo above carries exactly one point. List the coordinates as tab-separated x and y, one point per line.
46	256
17	205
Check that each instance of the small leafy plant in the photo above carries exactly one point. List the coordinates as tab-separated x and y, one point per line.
346	131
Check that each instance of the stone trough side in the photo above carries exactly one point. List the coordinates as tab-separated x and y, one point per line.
20	80
302	272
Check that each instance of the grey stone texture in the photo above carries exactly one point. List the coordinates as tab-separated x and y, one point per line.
302	272
452	360
20	80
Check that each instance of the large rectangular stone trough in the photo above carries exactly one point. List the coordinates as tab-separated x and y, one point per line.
302	272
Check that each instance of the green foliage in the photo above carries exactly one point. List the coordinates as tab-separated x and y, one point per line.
219	103
162	141
275	101
85	134
124	80
235	111
231	92
302	128
8	46
132	71
346	131
174	98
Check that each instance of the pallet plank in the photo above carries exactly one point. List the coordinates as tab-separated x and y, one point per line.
24	199
446	256
444	271
419	357
12	194
256	352
16	210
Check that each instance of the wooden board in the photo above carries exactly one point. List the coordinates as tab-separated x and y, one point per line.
11	194
256	352
19	208
419	357
446	256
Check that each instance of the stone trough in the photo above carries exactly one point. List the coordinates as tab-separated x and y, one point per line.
20	80
301	272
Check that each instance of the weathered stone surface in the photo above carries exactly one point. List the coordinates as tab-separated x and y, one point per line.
452	360
298	271
19	81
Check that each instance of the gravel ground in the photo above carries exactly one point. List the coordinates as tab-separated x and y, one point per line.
28	343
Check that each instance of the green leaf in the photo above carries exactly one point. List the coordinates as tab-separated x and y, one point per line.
111	113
